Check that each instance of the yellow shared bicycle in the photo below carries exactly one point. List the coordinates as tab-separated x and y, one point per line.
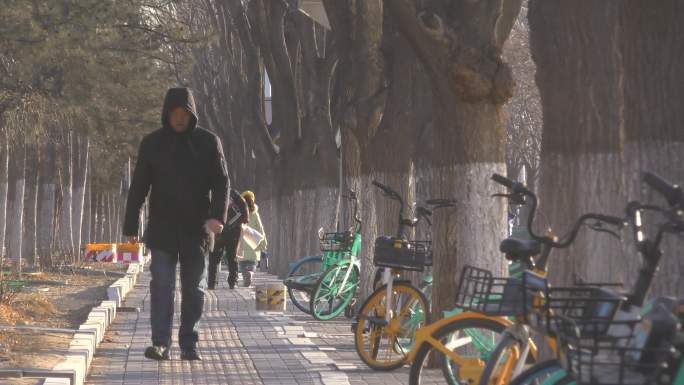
516	297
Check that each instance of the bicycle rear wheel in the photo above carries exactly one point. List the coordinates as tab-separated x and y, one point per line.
382	345
472	339
302	280
330	298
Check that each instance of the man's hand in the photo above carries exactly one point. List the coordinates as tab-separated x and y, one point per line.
214	226
132	239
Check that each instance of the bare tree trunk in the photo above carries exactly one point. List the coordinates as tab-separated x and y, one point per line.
97	216
30	244
56	221
358	104
4	164
67	238
111	218
101	217
17	180
652	46
460	48
86	233
581	166
46	203
80	171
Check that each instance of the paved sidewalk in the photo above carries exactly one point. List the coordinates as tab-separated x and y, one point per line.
239	344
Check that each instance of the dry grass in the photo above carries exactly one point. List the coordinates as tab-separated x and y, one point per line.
57	300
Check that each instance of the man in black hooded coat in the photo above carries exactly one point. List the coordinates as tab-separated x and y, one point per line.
184	167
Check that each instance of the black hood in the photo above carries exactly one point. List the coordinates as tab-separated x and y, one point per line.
179	97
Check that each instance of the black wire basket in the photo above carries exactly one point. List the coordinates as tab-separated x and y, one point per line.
530	296
479	291
618	356
590	307
337	241
395	253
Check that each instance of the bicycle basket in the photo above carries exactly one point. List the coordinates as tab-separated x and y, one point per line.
479	291
612	358
401	254
337	241
590	307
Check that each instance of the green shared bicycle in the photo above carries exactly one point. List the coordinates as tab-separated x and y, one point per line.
325	286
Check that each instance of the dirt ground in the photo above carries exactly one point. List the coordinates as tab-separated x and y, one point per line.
55	300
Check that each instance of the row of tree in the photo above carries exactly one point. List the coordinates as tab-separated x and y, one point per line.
416	91
413	93
412	96
80	82
48	204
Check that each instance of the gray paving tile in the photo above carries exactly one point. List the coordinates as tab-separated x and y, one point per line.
239	344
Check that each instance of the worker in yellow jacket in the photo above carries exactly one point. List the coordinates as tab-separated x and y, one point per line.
252	242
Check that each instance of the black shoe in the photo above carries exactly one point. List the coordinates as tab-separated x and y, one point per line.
157	352
231	285
190	354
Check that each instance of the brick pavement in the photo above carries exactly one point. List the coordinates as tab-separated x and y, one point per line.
239	344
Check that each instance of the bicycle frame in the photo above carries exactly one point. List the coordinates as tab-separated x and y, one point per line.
354	260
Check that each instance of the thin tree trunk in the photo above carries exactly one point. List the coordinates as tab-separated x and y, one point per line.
46	204
101	217
81	160
17	180
87	215
4	163
109	228
29	244
66	227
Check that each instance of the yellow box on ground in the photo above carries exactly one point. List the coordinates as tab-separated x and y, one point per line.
270	297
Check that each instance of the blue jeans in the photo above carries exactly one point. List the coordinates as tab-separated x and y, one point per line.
193	272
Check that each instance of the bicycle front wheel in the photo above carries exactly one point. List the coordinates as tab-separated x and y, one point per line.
499	368
332	294
382	345
472	339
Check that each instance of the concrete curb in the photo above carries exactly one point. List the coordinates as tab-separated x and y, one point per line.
85	341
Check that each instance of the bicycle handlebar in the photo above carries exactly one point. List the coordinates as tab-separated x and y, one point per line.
615	221
672	193
388	192
519	189
516	187
502	180
570	238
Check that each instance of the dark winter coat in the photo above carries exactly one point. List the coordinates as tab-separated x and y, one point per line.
188	177
239	213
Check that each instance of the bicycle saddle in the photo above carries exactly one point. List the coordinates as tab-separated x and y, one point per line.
519	248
